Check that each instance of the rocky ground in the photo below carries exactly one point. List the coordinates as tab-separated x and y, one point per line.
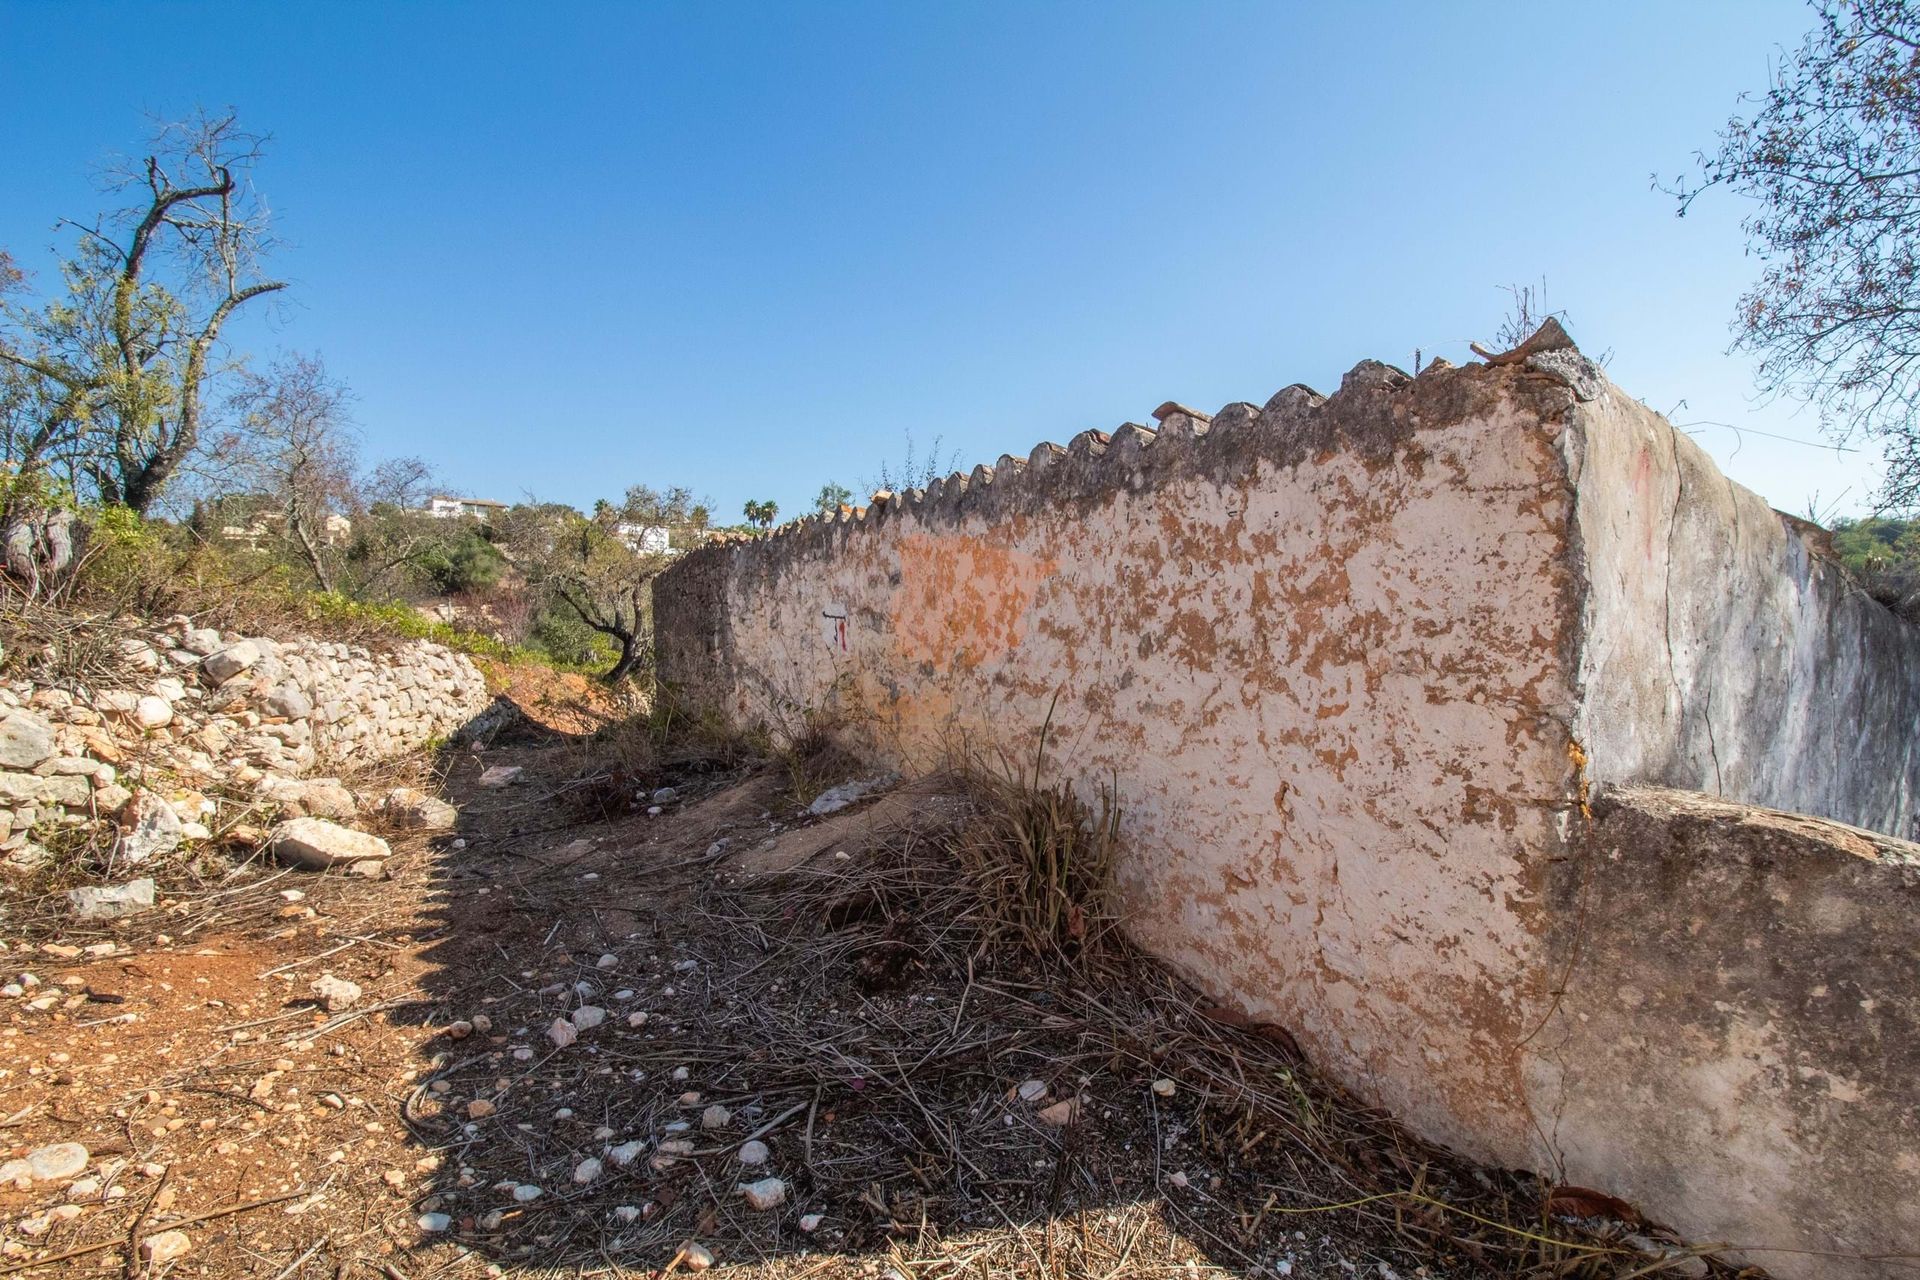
636	1018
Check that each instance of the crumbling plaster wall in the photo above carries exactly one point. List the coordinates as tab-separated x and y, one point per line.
1333	695
1353	665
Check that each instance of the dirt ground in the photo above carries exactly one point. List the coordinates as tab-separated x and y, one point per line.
817	994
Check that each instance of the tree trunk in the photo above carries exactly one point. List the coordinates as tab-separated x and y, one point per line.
629	659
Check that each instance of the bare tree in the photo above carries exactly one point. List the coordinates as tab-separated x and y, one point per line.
122	362
299	443
1829	156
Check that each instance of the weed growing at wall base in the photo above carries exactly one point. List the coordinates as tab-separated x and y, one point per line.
1040	857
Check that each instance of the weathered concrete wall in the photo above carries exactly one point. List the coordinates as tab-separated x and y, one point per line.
1352	664
1721	652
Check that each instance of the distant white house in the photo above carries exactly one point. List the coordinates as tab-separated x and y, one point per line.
446	508
645	539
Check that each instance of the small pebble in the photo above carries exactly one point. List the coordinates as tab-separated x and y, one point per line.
768	1193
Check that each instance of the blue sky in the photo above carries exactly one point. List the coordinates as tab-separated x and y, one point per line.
561	248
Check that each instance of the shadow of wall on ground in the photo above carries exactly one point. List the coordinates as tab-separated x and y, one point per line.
626	1030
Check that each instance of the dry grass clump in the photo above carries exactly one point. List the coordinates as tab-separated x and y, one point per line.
813	756
1040	858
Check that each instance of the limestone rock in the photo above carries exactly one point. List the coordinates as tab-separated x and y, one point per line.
149	829
152	712
335	994
308	797
108	902
501	775
837	798
25	741
58	1162
768	1193
20	788
316	844
201	641
224	664
290	700
414	810
165	1246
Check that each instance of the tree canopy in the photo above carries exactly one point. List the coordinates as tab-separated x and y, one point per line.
1829	156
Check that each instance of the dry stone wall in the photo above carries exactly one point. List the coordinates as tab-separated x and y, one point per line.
183	720
1356	665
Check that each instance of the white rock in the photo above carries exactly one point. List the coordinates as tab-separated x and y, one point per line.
107	902
415	810
562	1033
607	961
25	740
715	1117
152	829
810	1222
637	1019
1032	1090
224	664
335	994
165	1246
526	1193
627	1212
58	1162
696	1257
586	1171
316	844
588	1016
152	712
501	775
1164	1087
434	1221
201	641
626	1153
768	1193
837	798
753	1153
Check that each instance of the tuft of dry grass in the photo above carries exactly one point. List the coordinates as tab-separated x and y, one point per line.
1040	857
813	755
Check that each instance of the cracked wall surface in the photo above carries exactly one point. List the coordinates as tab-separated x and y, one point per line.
1352	665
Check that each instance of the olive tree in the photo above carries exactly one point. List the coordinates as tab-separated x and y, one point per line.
118	365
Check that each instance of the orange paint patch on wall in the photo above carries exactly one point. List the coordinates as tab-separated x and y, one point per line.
962	600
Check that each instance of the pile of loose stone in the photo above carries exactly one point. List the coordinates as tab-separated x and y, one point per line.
185	727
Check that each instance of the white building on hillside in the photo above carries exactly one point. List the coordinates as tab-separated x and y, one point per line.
447	508
646	539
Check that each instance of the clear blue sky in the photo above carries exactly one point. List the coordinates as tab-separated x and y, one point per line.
561	248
